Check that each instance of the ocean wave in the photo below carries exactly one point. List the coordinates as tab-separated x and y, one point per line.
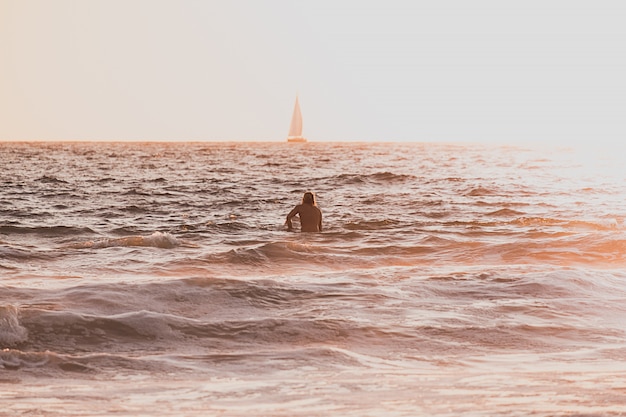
317	255
12	359
375	312
562	251
505	212
103	180
229	227
47	179
11	331
481	191
269	254
599	225
65	331
8	252
377	177
611	250
156	240
386	176
390	250
45	230
465	242
136	191
134	209
286	359
52	363
372	224
70	333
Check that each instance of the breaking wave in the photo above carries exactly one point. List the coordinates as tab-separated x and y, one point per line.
155	240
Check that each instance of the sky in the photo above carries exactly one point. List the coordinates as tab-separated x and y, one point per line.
391	70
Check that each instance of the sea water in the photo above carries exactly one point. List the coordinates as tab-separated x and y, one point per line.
144	279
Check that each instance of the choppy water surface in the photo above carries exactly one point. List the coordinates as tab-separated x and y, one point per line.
158	279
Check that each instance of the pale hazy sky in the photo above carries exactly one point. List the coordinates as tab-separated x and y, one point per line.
440	70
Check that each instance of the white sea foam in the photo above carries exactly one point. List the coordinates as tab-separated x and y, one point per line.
11	331
156	240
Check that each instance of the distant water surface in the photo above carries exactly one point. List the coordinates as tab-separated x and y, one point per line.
158	279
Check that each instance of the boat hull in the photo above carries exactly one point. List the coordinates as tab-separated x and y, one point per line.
296	140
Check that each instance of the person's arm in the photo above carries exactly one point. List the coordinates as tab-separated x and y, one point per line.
320	223
290	215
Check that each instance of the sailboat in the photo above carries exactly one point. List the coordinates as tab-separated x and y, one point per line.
295	129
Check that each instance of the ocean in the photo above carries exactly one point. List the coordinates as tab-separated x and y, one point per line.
158	279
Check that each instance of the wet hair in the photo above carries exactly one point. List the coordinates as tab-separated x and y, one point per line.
308	198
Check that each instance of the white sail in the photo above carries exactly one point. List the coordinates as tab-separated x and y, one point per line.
295	129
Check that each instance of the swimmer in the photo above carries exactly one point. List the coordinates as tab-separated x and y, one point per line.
310	214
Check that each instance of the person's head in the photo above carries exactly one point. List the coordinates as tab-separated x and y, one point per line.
308	198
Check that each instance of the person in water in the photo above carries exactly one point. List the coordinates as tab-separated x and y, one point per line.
310	214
